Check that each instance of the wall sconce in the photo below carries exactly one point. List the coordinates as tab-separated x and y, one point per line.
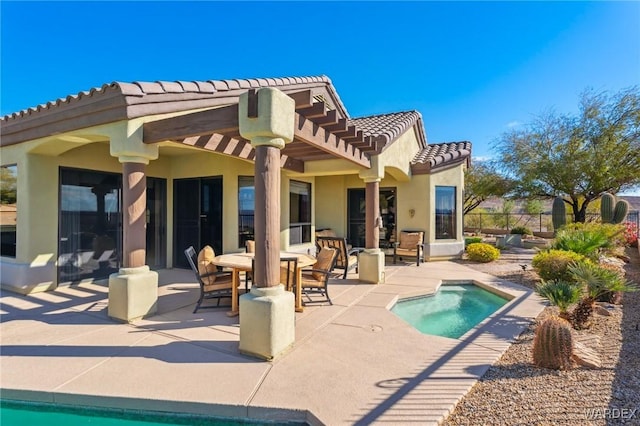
412	212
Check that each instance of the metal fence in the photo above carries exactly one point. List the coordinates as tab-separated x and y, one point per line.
492	222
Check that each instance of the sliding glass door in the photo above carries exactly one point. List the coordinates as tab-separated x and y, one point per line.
90	225
198	216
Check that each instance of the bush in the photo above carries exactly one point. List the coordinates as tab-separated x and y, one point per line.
561	294
482	252
522	230
587	239
472	240
554	264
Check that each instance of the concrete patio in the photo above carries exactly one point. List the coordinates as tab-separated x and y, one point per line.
352	363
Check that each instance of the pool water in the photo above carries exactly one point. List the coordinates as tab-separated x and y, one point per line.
451	312
18	413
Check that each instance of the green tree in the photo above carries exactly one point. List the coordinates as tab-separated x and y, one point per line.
577	157
482	181
8	185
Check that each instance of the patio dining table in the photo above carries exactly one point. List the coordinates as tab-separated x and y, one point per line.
241	262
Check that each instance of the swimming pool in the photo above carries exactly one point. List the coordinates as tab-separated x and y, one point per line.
451	312
21	413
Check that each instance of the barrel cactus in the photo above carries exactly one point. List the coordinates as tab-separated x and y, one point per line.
553	344
612	211
558	213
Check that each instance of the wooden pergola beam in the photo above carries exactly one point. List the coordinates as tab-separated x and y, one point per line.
223	120
329	119
219	120
317	110
309	132
341	125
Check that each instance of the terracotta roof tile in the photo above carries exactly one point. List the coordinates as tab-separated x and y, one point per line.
171	86
128	89
441	155
150	88
191	89
388	127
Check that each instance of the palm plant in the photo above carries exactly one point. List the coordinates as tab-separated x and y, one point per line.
560	293
587	242
596	282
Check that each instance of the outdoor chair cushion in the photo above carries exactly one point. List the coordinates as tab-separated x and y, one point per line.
309	281
205	265
409	240
323	262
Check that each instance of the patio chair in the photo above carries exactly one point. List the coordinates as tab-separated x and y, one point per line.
288	272
316	280
347	256
249	247
213	283
411	244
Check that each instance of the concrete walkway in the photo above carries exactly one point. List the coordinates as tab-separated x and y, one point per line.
353	363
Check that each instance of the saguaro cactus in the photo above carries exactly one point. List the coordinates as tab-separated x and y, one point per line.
553	344
558	213
612	211
620	211
607	203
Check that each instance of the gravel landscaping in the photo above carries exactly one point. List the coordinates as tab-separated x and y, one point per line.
515	392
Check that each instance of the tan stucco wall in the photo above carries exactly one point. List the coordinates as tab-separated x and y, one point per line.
331	203
449	177
396	159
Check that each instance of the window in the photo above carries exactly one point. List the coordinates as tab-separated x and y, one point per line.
8	210
246	209
90	224
299	212
445	212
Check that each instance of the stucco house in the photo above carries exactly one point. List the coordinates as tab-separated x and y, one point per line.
78	164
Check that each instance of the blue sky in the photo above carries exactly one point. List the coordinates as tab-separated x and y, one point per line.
472	69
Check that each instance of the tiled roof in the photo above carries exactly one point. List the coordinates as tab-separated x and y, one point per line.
209	87
390	126
119	101
440	155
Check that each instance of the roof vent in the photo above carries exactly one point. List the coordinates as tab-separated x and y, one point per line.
321	98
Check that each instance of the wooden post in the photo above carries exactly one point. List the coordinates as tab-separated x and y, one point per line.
372	214
267	216
134	199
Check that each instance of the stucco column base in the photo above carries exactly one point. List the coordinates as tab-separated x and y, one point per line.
267	321
371	266
133	293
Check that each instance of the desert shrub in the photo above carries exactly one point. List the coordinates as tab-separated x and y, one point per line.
482	252
472	240
559	293
554	264
587	239
522	230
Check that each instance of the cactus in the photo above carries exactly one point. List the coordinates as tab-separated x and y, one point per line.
553	344
612	211
606	207
558	213
620	211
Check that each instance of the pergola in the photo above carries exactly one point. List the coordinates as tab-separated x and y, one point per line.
274	130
